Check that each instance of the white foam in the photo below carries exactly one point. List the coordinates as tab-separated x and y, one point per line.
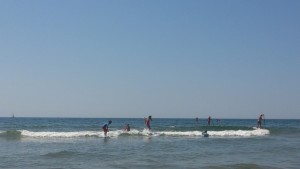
114	133
134	132
240	133
60	134
145	132
181	133
224	133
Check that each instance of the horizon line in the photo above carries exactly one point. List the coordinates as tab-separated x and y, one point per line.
144	117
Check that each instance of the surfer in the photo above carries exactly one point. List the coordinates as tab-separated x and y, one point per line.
105	127
259	121
147	122
205	134
209	120
127	127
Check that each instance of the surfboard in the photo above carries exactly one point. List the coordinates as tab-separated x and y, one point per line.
147	132
204	134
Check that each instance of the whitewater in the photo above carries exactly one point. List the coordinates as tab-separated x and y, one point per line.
134	132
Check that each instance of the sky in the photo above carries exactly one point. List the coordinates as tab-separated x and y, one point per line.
134	58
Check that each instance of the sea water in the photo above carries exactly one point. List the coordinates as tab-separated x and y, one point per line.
38	143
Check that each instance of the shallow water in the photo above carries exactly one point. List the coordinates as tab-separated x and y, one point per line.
172	143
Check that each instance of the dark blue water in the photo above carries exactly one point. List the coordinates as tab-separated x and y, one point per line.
172	143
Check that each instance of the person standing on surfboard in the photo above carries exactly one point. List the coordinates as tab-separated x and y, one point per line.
259	121
105	127
147	122
208	120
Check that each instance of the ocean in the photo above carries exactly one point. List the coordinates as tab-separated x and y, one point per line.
79	143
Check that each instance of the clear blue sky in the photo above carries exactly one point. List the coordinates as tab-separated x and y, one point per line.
132	58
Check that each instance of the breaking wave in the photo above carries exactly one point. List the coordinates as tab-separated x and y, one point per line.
133	132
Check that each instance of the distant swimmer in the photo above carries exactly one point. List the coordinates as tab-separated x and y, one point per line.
197	119
147	122
209	120
259	121
105	127
127	127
